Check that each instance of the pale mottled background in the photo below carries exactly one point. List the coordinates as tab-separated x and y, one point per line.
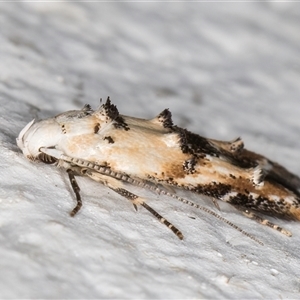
224	70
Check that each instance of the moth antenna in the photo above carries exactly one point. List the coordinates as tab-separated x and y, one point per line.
137	182
207	210
211	212
188	202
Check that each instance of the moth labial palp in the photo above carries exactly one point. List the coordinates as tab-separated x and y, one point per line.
155	154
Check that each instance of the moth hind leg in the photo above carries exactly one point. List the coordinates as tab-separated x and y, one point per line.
264	221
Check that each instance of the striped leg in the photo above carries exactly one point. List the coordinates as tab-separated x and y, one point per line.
265	222
118	187
76	190
138	200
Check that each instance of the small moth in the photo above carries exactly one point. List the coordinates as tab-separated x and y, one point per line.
155	154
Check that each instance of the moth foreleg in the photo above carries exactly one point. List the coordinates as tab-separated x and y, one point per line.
76	190
265	222
71	170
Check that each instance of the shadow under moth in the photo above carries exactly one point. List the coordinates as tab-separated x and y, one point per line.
155	154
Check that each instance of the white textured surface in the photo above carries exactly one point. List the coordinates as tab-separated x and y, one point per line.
223	69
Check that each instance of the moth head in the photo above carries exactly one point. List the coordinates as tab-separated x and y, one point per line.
34	135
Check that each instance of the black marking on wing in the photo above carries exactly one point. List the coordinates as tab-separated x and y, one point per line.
199	146
113	113
96	128
215	190
189	165
165	117
263	205
109	139
110	109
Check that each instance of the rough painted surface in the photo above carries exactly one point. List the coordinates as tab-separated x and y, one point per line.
224	70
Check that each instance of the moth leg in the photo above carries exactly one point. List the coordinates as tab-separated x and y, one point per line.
138	200
265	222
76	190
117	186
215	202
47	159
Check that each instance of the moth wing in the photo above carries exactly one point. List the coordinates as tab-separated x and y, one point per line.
284	177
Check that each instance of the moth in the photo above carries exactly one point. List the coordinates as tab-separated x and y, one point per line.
155	154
